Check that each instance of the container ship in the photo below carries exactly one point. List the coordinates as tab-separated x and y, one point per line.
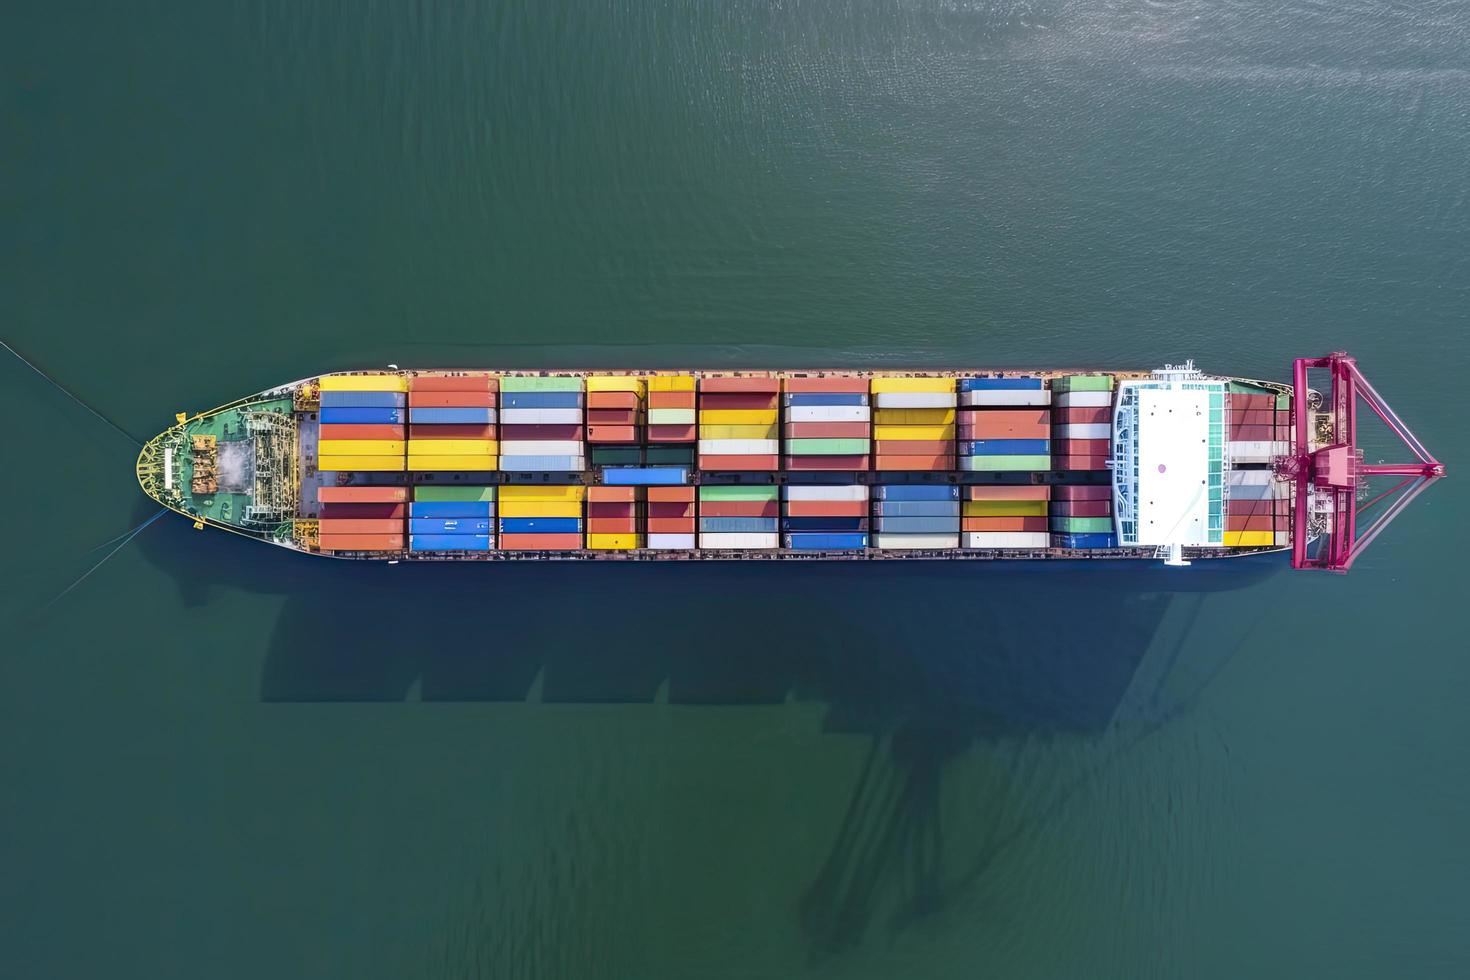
1171	464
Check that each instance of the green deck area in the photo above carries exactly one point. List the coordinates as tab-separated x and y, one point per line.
227	426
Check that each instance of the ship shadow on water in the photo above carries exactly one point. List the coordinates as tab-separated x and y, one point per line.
925	659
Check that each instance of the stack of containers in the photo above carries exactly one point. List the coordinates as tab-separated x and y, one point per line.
1083	419
1004	425
1082	517
1256	514
671	518
612	518
361	420
672	432
739	516
916	516
828	423
1005	517
451	420
914	424
451	518
538	517
1256	434
826	517
614	413
740	424
361	518
541	424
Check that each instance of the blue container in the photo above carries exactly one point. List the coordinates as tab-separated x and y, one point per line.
449	542
452	416
363	399
1084	540
823	399
1000	384
542	464
358	415
540	399
451	508
540	525
916	491
638	476
824	524
1006	447
918	525
918	508
827	542
449	525
737	524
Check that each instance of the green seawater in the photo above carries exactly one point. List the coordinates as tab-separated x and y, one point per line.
221	761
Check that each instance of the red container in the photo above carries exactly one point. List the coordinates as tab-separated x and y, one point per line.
612	416
739	508
361	495
740	400
852	386
1265	522
1066	492
354	511
1080	462
672	433
1081	447
540	542
1087	415
670	495
612	525
360	432
360	542
927	463
827	430
509	432
1245	403
1024	492
456	430
361	525
1253	416
602	509
913	447
451	399
736	464
826	508
1252	433
824	464
453	382
1007	424
612	433
1082	508
609	495
670	525
770	386
1003	524
681	511
1256	508
612	399
671	399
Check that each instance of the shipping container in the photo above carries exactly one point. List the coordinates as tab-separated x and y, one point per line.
827	541
452	508
1005	464
603	384
540	542
914	400
543	464
521	383
926	542
363	399
1018	492
1006	524
541	416
361	495
738	540
430	400
360	464
888	507
452	463
807	384
362	382
361	542
360	525
452	416
835	464
671	542
362	416
1006	539
456	492
329	433
1005	399
770	386
641	476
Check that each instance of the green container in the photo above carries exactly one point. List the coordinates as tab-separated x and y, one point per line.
670	456
1241	388
1006	464
617	456
738	491
1283	400
1082	525
1082	382
827	447
541	384
430	492
671	416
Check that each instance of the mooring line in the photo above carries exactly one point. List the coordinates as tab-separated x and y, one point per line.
65	391
121	545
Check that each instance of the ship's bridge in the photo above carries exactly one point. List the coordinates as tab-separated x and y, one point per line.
1169	460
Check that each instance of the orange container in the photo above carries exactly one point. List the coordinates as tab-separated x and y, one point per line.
360	525
612	433
672	433
738	400
455	430
826	463
1008	493
839	384
1003	524
453	382
670	525
1080	462
612	525
612	416
611	399
827	430
739	508
360	542
362	495
770	386
540	542
607	495
826	508
671	399
361	432
670	495
1083	415
926	463
735	464
991	424
451	399
914	447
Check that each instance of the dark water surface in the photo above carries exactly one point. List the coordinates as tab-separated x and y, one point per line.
219	761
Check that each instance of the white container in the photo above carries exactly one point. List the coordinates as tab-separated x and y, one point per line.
1007	539
1006	396
916	399
541	447
1257	451
798	492
671	416
739	539
739	447
541	416
892	541
1085	399
1243	478
1088	430
671	542
828	413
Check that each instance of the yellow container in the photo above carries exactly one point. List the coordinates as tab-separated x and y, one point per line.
530	491
913	432
614	542
540	508
739	432
363	382
360	447
1249	539
454	447
881	385
603	382
740	416
331	464
913	416
1003	508
671	382
427	461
